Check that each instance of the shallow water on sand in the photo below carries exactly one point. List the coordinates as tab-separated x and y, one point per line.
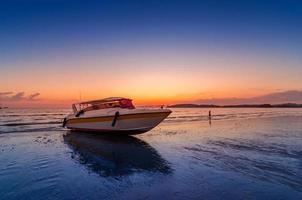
240	154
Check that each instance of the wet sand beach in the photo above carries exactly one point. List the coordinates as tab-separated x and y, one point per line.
241	154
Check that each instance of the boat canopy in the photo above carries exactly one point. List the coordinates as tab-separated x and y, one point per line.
106	100
111	102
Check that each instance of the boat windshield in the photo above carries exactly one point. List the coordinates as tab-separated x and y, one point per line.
101	104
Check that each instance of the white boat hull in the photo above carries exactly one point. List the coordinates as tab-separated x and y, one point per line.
127	123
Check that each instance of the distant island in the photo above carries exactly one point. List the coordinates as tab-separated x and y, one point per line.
285	105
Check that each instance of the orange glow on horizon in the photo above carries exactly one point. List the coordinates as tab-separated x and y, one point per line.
139	98
149	78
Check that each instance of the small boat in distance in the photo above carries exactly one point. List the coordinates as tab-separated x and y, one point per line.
113	115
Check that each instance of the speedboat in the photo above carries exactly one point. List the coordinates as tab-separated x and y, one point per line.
113	115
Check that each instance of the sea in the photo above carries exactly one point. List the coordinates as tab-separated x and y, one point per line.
240	153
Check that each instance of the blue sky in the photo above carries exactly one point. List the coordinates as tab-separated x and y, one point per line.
51	27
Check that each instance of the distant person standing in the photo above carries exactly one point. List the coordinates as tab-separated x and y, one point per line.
210	117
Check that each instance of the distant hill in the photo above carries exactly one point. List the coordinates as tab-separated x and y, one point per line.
285	105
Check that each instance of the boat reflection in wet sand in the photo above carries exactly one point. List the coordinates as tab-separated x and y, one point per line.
114	114
108	155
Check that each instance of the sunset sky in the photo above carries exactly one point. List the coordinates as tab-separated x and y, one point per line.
156	52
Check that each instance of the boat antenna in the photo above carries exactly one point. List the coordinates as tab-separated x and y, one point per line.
80	98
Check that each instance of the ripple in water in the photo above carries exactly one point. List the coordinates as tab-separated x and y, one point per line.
260	160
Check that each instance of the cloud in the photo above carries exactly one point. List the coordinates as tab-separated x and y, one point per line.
19	96
287	96
291	96
5	93
33	96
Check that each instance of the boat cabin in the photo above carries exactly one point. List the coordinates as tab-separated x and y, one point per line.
111	102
